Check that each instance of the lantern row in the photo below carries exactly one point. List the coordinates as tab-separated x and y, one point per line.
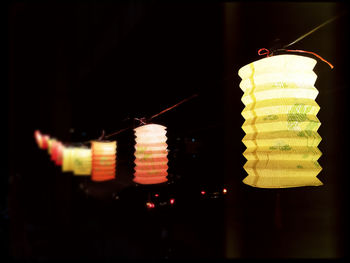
99	160
280	125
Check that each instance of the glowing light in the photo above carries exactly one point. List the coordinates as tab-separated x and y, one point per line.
103	160
203	192
224	190
81	161
280	122
45	142
151	154
67	159
38	138
150	205
172	201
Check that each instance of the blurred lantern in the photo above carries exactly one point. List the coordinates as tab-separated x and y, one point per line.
151	154
51	142
53	150
59	154
45	142
103	160
38	138
67	159
81	160
280	122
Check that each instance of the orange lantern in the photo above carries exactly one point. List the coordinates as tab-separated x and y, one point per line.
38	138
103	160
151	154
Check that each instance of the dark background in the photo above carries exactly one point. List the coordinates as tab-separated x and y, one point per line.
77	69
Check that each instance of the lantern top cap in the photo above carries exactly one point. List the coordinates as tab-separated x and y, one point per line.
284	61
150	127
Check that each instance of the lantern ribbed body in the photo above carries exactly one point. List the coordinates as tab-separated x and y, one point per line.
280	122
103	160
151	154
81	159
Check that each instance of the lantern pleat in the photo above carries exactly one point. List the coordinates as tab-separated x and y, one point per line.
280	122
81	161
151	163
103	160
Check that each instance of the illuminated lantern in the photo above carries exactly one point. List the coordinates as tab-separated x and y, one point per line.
81	161
280	122
53	150
59	154
67	159
38	138
45	142
51	142
151	154
103	160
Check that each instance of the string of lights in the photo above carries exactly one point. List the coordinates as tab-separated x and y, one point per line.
56	149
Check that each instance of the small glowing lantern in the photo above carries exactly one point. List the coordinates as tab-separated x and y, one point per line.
59	154
53	150
51	142
38	138
151	154
67	159
45	142
103	160
81	161
280	122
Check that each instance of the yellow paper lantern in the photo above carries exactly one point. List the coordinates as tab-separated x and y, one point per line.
67	159
151	154
103	160
280	122
81	161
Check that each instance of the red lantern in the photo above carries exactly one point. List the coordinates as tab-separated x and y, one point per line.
151	154
54	150
59	154
103	160
45	142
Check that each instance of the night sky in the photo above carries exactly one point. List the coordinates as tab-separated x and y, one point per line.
75	70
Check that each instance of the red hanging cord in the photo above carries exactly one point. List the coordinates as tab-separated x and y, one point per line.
313	53
267	53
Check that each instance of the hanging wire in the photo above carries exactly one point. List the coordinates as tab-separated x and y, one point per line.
262	51
315	29
270	52
144	120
